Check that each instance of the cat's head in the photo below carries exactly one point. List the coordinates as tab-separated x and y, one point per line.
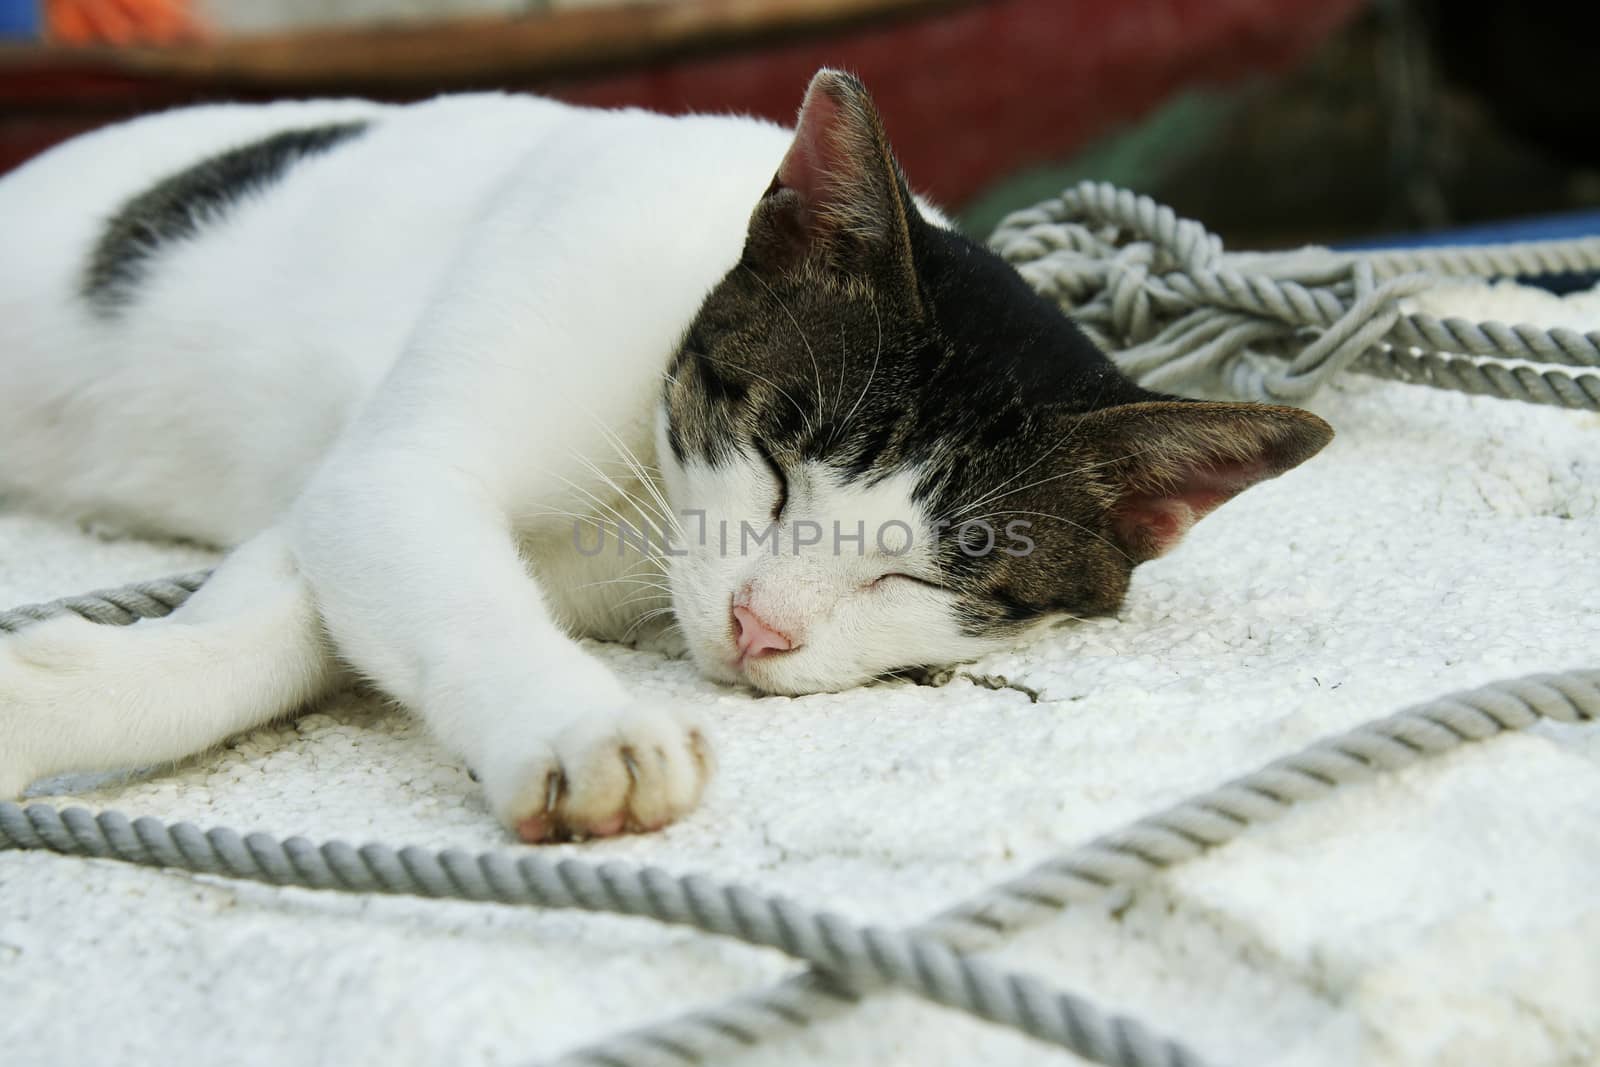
888	451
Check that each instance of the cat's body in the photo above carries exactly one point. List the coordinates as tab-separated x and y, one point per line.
255	347
411	360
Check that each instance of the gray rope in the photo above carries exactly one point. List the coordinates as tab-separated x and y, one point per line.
866	956
113	607
1523	383
1179	313
1124	858
1512	259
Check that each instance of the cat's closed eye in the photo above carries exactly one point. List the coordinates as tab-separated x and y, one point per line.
782	500
900	576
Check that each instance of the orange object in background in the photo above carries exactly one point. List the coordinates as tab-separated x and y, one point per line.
970	90
121	21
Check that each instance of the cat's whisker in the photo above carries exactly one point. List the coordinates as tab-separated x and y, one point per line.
1073	473
665	517
599	503
647	617
646	509
601	528
642	599
844	366
871	375
625	580
664	509
1064	440
804	416
1059	518
623	523
657	563
562	513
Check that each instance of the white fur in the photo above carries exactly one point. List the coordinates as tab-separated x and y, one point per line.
832	585
243	650
398	377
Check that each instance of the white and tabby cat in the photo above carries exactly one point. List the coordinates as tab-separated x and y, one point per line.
413	362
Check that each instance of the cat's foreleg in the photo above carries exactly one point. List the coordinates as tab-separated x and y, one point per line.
420	583
245	649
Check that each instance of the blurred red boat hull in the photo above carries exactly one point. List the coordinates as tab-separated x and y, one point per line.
970	93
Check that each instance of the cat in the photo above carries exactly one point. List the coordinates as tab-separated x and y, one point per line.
413	364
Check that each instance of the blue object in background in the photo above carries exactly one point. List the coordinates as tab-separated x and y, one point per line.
1538	228
19	18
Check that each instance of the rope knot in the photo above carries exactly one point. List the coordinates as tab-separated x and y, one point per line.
1366	321
1125	286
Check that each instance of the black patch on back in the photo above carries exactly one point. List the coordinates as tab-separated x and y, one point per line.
181	206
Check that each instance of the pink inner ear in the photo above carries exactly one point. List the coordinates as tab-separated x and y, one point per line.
1151	524
816	153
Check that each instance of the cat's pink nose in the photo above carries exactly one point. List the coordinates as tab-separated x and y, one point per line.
755	638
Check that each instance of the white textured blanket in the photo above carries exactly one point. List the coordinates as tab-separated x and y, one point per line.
1445	915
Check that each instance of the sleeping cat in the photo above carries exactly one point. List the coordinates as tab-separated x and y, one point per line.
413	364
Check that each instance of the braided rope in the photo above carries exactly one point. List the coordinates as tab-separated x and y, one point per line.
113	607
1520	259
867	956
1524	383
1180	313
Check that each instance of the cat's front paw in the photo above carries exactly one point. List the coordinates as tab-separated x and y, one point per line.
605	774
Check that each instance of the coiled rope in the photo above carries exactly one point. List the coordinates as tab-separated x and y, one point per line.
1178	313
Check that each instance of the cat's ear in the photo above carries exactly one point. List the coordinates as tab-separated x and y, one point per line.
838	197
1169	463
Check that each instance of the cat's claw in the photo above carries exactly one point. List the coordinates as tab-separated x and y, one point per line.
535	829
634	771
